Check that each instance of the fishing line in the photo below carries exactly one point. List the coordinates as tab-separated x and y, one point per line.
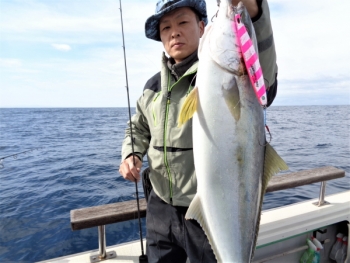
266	127
189	88
237	103
143	257
15	155
214	16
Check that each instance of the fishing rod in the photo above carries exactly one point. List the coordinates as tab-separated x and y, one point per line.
143	258
15	155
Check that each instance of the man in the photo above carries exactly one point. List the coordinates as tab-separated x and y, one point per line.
179	25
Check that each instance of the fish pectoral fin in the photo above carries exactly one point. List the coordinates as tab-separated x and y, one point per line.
189	107
195	211
273	164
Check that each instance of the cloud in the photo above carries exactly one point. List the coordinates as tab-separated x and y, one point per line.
10	63
61	47
310	41
72	21
311	46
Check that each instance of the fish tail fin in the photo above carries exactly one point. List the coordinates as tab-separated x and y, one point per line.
273	164
189	107
195	211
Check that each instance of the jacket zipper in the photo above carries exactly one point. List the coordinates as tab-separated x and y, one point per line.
165	134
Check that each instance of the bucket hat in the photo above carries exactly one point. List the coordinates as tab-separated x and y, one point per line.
165	6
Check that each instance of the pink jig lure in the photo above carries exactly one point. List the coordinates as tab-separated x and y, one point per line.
251	60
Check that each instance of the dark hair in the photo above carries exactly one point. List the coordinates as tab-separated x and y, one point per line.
198	16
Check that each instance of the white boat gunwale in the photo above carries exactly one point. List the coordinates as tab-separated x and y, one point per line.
84	220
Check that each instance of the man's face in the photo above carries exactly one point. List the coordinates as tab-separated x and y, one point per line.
180	33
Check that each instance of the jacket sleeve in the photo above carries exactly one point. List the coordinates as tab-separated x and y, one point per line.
140	132
266	47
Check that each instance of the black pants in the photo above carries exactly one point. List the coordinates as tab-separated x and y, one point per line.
171	238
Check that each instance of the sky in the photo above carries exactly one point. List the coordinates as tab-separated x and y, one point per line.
69	53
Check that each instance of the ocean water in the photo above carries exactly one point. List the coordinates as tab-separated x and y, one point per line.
75	162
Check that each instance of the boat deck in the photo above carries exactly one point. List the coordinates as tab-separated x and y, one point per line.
126	253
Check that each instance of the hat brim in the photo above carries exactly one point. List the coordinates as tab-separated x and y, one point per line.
152	23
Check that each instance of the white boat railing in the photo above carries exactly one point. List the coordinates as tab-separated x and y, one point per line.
99	216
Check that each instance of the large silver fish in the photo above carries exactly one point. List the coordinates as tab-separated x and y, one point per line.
232	159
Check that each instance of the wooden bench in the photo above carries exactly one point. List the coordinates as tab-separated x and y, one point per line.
124	211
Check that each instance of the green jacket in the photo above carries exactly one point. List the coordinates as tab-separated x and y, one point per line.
155	127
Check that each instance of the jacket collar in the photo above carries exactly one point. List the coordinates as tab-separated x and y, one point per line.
179	69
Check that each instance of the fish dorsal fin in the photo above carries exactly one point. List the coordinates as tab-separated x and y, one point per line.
273	164
195	211
189	107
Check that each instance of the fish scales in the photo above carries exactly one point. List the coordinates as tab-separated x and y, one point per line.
228	142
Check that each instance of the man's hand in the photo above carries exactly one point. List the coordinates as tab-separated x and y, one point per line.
251	6
130	171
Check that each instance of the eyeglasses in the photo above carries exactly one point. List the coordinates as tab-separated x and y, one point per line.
162	4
